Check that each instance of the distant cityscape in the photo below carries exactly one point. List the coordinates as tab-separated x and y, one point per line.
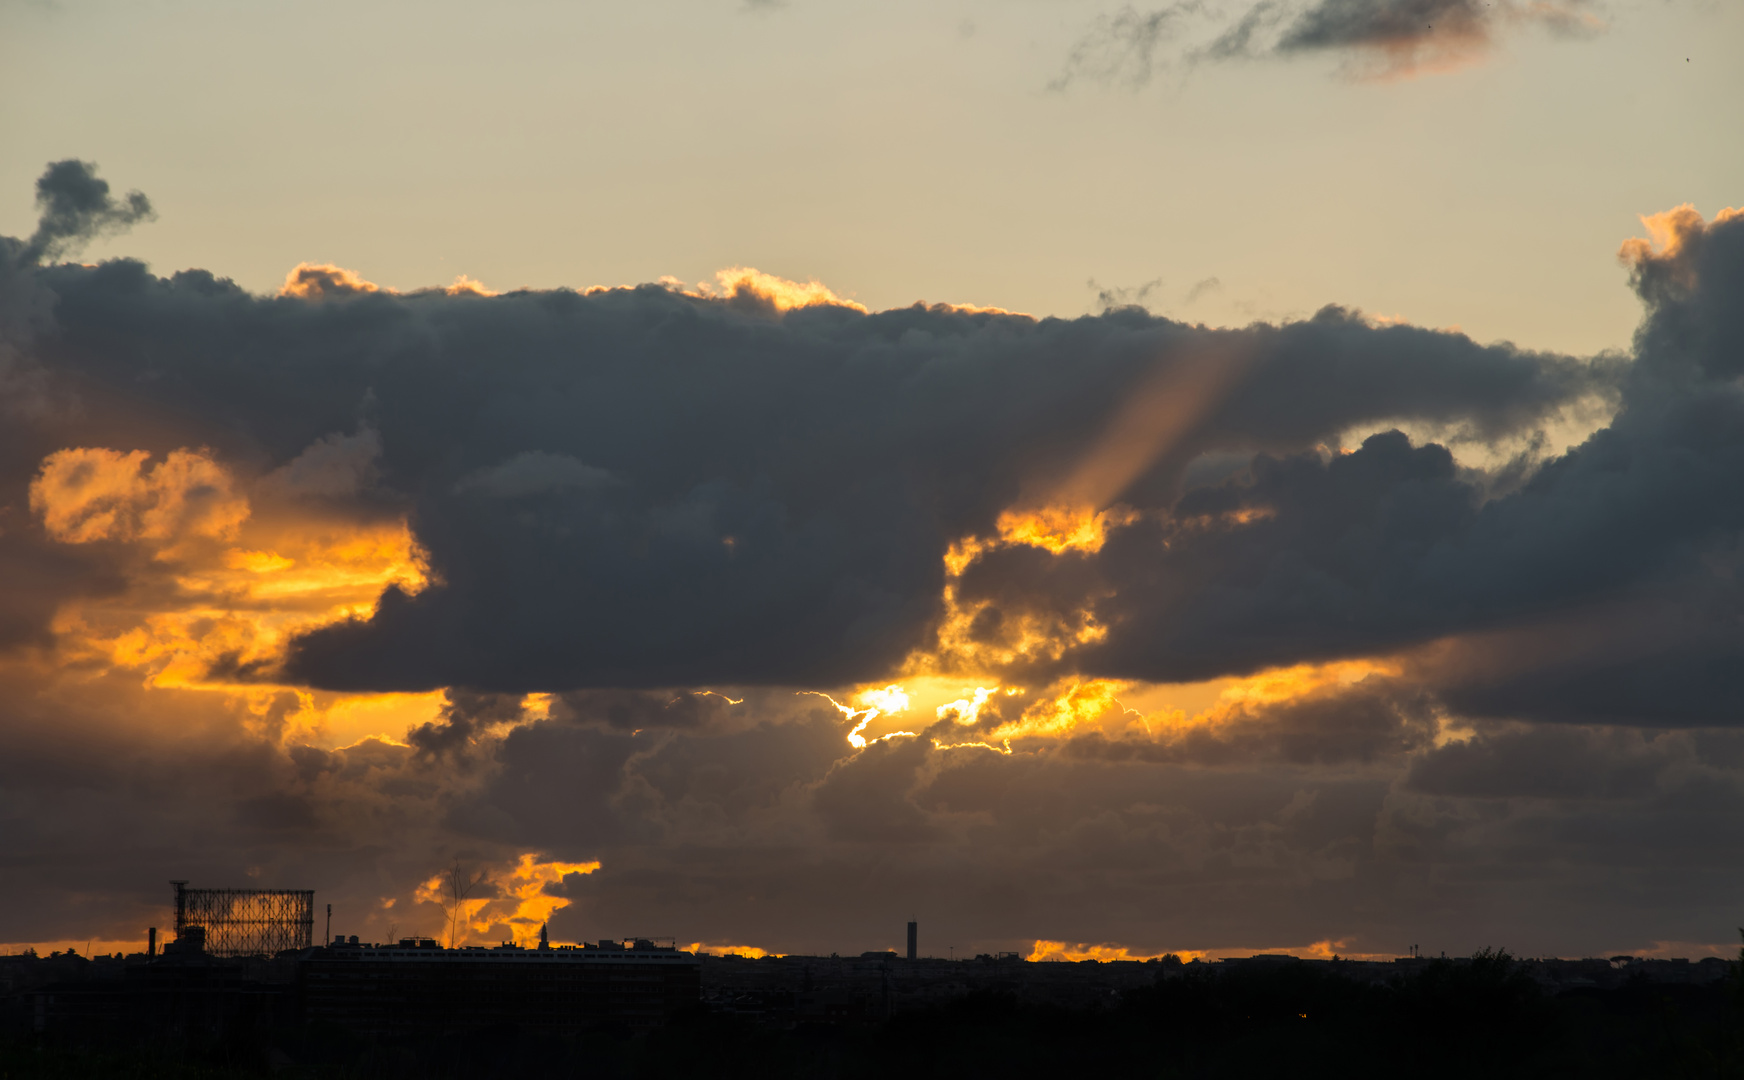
245	958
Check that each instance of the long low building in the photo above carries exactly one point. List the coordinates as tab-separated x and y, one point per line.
416	986
413	988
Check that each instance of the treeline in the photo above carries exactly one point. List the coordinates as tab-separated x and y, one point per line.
1482	1018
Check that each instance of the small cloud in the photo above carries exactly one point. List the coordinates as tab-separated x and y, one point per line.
1203	286
324	281
1382	39
1111	297
1238	40
466	286
333	466
76	208
1395	38
1123	47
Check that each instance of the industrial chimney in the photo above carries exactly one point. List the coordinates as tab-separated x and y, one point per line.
914	941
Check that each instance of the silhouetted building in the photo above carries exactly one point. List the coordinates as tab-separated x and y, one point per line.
416	986
413	988
184	993
914	941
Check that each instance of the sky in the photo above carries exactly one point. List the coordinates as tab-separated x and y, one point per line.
1097	480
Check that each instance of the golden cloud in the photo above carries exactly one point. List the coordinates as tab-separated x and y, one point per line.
1107	952
522	903
466	286
88	494
318	281
778	292
224	587
749	952
994	715
1073	952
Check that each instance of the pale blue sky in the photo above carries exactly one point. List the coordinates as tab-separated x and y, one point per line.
896	151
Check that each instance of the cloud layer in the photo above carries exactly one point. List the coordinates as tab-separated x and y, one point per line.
748	615
646	487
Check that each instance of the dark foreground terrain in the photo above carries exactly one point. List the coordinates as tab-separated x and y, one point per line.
1479	1018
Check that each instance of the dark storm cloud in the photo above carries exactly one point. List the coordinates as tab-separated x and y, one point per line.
644	488
636	709
1339	560
989	848
1668	659
1548	763
1388	546
1605	585
641	501
465	716
768	833
868	797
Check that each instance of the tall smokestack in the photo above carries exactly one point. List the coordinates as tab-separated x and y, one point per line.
151	941
914	941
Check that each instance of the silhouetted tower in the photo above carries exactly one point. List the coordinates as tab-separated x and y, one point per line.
914	940
181	904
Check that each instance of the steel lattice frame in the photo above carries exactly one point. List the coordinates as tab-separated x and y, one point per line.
248	922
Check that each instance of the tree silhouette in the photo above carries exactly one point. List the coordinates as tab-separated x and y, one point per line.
457	885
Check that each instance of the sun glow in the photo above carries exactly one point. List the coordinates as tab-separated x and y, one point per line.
965	642
997	715
1070	706
1059	529
874	702
749	283
1073	513
1301	680
965	710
